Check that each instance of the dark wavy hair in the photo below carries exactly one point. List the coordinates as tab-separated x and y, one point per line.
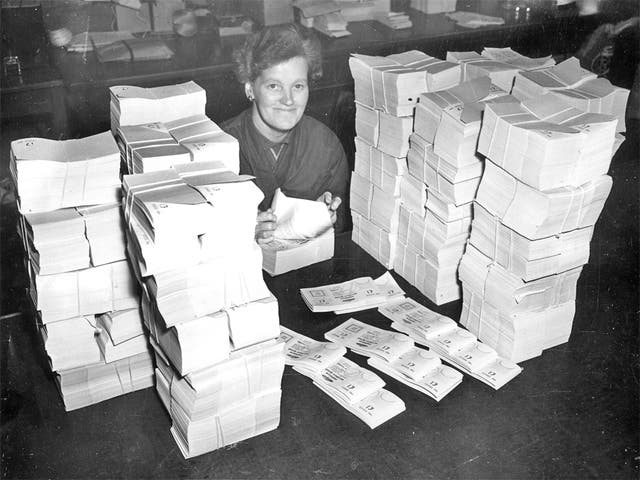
276	44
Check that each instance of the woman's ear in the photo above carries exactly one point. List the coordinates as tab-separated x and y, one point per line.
248	91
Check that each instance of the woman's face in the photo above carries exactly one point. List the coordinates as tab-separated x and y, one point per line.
281	93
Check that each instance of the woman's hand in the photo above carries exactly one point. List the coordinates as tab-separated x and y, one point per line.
265	225
332	204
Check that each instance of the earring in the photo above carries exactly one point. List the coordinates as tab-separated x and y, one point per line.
250	97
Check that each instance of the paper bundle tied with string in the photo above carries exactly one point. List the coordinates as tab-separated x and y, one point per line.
303	235
543	189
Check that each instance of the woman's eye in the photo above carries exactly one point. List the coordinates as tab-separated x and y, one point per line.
273	86
300	86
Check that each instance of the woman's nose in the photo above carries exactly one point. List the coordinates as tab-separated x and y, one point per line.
287	97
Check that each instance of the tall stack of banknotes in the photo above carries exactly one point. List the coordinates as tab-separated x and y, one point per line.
86	297
544	185
386	92
212	321
444	174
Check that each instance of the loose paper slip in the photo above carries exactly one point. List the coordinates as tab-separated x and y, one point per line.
351	296
455	345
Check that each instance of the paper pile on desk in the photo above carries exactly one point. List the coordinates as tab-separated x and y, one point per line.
323	15
394	20
357	389
507	55
353	295
574	85
303	235
450	342
211	318
54	174
434	6
395	355
542	190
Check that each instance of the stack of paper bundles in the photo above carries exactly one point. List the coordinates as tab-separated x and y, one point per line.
73	236
376	210
548	144
173	217
535	218
434	274
507	55
228	402
323	15
132	105
452	343
303	235
392	84
432	105
355	388
395	355
394	20
87	385
375	200
515	316
353	295
475	65
384	131
576	86
54	174
434	6
209	307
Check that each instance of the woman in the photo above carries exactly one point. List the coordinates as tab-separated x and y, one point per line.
280	145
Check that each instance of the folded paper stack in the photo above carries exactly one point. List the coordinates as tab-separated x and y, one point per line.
211	319
574	85
158	146
73	237
132	105
543	188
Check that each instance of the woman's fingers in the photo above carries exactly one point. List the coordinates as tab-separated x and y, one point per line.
265	226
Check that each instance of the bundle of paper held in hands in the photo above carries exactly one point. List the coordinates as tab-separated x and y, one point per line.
357	389
303	235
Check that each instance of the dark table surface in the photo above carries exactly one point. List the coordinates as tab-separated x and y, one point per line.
572	413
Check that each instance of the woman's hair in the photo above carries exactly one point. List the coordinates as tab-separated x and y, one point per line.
276	44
